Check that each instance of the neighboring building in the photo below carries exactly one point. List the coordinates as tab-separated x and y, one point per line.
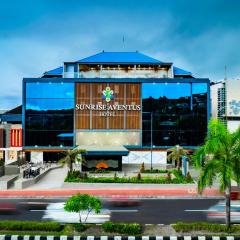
226	102
119	106
11	135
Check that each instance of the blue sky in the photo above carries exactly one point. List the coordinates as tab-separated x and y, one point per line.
35	36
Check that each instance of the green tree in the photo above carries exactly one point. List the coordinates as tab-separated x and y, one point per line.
219	159
72	156
176	154
83	204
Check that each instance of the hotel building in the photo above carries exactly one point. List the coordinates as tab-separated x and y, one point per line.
121	107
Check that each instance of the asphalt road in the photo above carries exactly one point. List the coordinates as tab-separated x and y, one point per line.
154	211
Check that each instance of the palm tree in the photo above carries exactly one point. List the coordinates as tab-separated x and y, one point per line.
176	154
72	156
219	159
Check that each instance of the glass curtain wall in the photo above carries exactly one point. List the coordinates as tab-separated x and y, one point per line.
175	113
49	114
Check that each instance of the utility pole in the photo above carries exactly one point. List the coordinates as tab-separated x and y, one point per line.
225	86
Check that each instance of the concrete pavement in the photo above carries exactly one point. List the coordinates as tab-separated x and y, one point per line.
110	191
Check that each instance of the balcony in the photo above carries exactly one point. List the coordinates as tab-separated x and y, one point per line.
135	73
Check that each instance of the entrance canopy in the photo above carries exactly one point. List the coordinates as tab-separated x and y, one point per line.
104	150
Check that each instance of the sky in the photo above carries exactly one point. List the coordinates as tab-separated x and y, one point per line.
201	36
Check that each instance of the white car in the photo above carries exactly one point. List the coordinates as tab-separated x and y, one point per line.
56	212
217	212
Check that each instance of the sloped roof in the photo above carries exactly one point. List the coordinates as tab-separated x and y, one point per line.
120	57
179	71
56	71
16	110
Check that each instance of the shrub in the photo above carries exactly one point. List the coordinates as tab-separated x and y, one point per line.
30	225
73	174
155	171
204	226
142	168
169	176
124	228
188	176
155	180
79	227
139	176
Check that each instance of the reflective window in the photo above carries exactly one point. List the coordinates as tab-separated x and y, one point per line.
174	114
49	114
45	105
49	90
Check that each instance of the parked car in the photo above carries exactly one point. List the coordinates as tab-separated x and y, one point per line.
56	212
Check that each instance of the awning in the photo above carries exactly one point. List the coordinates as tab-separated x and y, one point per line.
104	150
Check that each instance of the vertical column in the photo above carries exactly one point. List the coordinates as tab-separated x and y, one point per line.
20	137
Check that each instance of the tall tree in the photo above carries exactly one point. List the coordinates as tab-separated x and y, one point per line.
219	159
176	154
72	156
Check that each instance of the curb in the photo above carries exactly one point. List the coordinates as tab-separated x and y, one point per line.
27	237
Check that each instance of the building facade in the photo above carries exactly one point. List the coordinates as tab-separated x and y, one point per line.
11	135
226	102
121	107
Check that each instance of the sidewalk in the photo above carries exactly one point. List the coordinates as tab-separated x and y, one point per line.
109	191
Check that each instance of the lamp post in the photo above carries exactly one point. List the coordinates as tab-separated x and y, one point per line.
151	138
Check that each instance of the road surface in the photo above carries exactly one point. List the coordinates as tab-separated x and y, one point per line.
152	211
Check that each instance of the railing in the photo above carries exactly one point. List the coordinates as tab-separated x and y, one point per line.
119	74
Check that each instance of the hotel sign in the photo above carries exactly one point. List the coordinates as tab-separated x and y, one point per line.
107	109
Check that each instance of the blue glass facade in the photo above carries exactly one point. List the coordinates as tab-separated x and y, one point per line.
174	111
49	114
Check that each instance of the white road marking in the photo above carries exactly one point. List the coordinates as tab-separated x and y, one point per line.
197	210
36	210
124	210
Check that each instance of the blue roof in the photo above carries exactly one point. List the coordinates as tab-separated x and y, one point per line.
56	71
179	71
120	57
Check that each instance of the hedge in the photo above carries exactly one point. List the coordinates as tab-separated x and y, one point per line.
123	228
204	226
157	180
179	179
30	226
155	171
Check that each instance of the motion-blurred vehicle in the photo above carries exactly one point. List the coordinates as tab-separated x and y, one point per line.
217	212
56	212
34	205
123	201
8	208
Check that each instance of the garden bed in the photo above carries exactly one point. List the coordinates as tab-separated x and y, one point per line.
119	229
205	228
175	177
